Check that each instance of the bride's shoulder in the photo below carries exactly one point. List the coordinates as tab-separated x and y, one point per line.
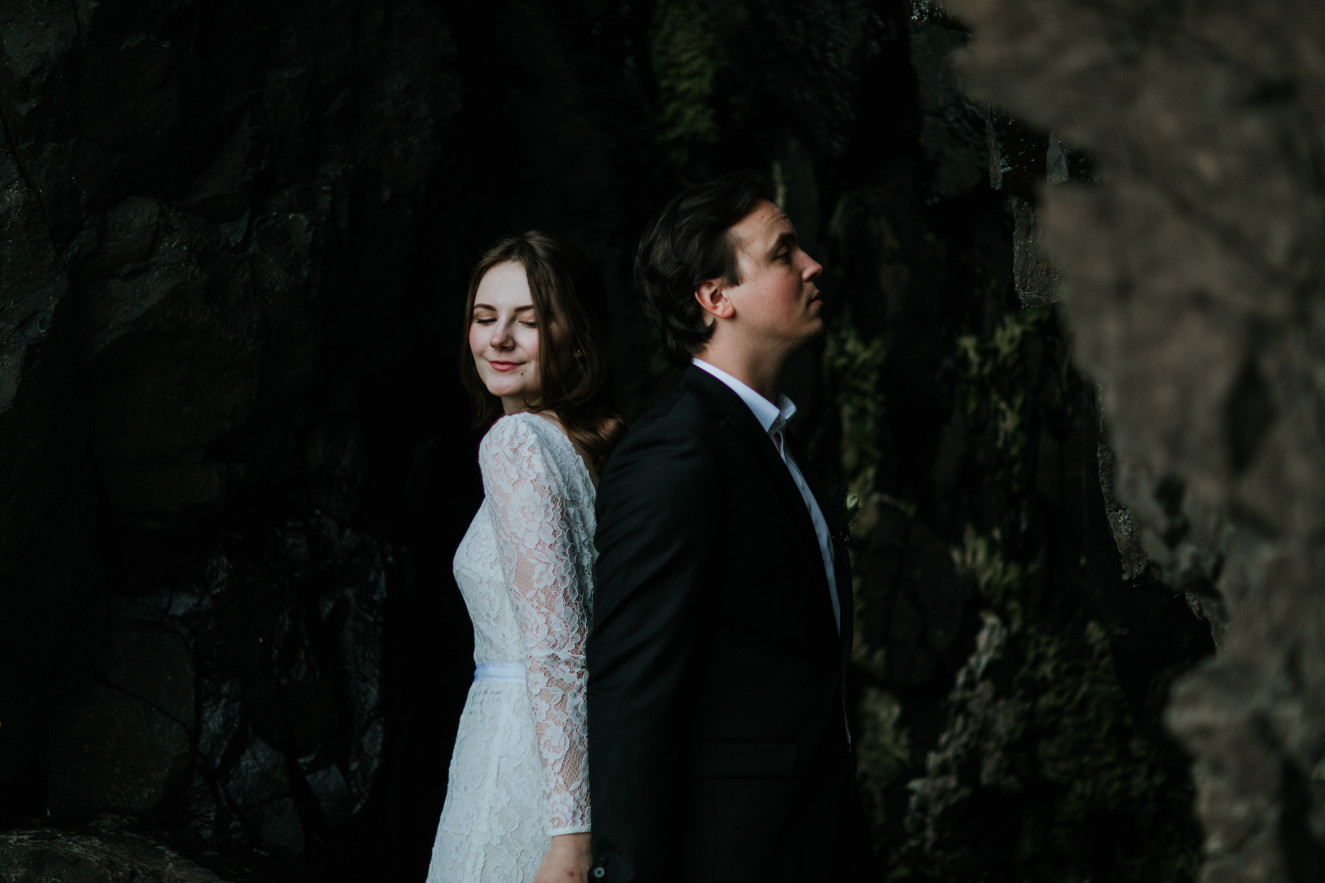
535	440
522	430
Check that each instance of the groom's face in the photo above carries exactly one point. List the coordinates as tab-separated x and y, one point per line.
777	303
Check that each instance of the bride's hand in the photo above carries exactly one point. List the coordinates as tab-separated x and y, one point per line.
567	860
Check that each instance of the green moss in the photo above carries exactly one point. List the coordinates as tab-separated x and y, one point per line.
1098	758
1001	379
853	367
688	58
979	561
994	371
1105	775
884	748
1104	788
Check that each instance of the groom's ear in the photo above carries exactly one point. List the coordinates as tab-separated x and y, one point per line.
712	297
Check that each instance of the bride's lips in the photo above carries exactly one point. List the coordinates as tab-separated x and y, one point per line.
503	366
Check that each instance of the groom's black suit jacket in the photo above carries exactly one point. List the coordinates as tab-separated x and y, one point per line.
717	742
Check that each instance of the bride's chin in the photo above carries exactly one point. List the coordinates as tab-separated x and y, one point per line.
501	390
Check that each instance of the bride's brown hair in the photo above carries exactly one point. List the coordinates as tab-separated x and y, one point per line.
567	292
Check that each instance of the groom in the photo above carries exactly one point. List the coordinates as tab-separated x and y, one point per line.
719	748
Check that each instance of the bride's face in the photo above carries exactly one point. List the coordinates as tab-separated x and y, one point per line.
504	336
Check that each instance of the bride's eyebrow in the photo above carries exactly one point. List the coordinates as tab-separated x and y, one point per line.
494	309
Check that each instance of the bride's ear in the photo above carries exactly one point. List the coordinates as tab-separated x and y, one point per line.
712	298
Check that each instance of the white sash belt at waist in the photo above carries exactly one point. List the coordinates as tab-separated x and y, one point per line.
501	672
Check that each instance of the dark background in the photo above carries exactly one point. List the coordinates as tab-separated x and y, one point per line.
236	460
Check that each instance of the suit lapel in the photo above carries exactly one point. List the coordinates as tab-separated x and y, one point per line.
841	557
742	424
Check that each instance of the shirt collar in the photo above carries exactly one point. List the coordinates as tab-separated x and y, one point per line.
772	417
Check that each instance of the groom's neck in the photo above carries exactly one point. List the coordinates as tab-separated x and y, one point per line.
758	371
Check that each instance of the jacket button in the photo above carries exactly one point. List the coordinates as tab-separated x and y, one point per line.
599	873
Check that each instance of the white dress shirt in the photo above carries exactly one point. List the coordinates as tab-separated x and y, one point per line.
773	418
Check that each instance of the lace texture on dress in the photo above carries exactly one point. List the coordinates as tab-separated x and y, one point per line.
519	771
544	528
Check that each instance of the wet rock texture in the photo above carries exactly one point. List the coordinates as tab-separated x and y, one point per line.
39	855
232	237
1192	284
205	210
236	461
1013	671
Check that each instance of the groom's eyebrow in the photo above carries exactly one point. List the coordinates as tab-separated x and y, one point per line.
786	239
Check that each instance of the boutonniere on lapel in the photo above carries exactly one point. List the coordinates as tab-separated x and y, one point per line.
846	509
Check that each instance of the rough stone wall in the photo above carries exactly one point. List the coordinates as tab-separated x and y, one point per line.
1013	668
234	237
237	464
207	213
1192	284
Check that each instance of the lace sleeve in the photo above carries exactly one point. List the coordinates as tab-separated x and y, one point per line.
542	558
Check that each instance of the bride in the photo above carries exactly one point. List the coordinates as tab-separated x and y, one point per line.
517	798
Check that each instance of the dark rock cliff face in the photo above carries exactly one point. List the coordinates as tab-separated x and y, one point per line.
233	241
214	229
1013	672
1192	282
236	463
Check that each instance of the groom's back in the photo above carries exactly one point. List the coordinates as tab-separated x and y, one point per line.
715	715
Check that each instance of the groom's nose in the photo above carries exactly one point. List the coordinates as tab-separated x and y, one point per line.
812	269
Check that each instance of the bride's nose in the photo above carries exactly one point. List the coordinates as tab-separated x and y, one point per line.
501	336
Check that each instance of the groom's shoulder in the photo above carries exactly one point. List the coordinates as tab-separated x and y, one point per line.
671	441
681	414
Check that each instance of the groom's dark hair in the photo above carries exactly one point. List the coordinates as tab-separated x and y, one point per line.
689	243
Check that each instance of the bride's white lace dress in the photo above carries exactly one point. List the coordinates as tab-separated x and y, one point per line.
520	772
